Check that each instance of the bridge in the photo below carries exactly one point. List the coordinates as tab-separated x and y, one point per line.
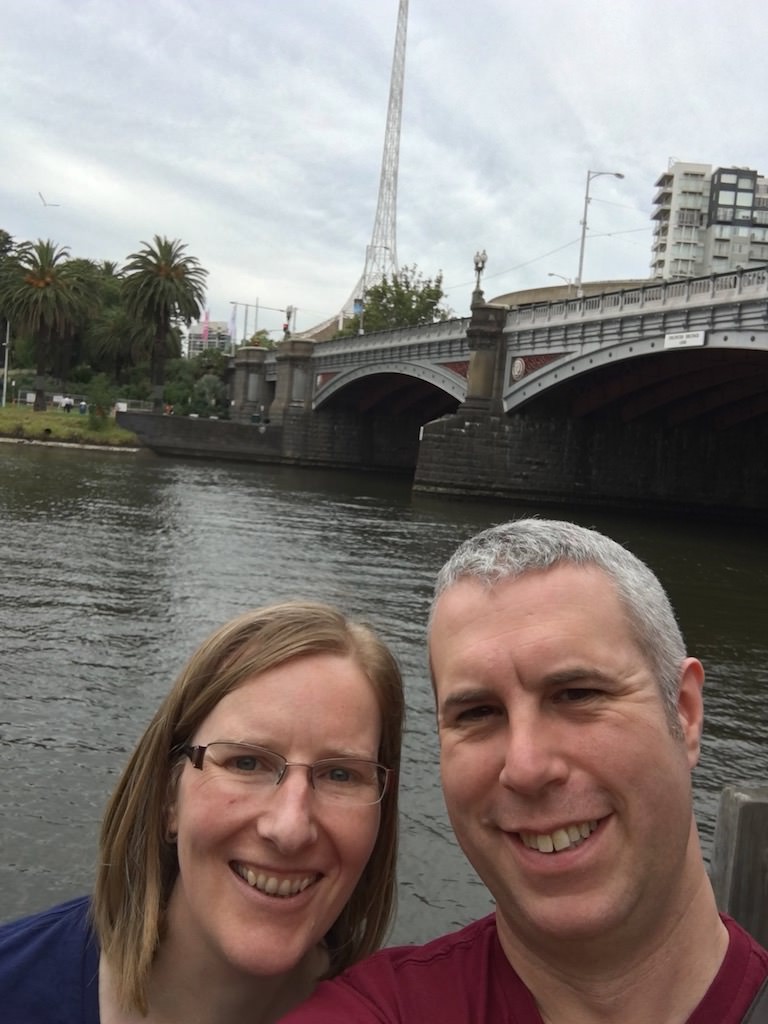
654	396
697	345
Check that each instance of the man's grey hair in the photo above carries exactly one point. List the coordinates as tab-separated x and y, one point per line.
511	549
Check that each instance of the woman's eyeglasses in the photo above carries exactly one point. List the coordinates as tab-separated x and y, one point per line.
340	780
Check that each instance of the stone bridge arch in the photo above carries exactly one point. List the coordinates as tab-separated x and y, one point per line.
443	378
735	346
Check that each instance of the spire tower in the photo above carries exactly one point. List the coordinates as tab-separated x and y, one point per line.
381	254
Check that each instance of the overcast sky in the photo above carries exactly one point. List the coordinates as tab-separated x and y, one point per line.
253	130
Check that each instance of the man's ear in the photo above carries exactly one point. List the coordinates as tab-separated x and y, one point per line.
690	706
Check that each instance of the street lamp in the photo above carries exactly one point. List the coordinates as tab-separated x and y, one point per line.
481	258
590	176
567	280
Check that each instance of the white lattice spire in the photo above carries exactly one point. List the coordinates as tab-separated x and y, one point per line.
381	254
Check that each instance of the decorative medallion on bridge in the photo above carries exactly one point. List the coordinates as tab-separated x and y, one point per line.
518	369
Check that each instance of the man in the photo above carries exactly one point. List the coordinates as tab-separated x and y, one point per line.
570	719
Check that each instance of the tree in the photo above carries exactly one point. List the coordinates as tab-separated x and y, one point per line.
6	244
44	295
163	287
114	340
262	339
407	299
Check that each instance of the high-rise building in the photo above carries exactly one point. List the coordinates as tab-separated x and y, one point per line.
218	337
709	220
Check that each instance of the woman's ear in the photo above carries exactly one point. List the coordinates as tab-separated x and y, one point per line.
171	829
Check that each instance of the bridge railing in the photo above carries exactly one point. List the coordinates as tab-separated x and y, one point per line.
453	328
711	290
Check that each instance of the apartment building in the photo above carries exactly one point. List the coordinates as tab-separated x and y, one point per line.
708	220
218	337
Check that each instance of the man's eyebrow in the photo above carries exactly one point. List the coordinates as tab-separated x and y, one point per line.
576	674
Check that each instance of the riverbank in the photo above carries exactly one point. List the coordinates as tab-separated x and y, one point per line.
55	426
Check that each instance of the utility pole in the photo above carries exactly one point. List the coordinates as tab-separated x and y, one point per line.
5	360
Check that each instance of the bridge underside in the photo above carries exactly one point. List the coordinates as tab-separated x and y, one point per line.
715	389
393	395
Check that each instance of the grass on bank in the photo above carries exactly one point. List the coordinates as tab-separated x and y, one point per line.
54	424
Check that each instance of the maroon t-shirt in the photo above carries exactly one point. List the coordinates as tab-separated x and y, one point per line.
465	978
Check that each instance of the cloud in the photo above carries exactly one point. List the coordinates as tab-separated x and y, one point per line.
254	133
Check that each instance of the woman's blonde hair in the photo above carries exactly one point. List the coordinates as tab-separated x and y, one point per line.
138	866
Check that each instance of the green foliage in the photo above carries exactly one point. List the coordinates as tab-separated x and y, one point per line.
56	425
100	401
6	244
408	299
44	294
262	338
163	287
198	385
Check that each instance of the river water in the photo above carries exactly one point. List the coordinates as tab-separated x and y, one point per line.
114	566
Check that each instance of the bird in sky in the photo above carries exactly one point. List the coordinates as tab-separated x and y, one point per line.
42	200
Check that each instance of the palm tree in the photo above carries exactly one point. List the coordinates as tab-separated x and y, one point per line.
44	295
163	286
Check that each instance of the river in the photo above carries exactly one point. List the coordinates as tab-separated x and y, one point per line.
114	566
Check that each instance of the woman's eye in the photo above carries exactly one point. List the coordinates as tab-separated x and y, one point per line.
248	764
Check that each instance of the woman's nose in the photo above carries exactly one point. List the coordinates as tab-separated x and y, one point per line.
287	815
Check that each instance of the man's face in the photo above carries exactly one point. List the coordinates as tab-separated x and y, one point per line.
564	785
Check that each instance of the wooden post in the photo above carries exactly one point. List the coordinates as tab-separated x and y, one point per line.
739	869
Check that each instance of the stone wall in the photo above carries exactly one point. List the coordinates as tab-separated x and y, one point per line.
563	462
335	438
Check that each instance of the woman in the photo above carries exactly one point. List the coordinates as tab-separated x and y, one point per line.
249	848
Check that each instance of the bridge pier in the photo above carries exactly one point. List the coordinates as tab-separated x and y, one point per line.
544	457
485	377
251	394
293	390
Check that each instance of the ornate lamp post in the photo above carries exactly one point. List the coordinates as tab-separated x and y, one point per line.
590	176
481	258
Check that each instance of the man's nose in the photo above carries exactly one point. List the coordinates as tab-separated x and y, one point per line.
534	755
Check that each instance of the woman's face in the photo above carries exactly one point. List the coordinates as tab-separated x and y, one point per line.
265	871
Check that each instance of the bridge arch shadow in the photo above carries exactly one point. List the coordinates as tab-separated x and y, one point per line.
722	383
393	387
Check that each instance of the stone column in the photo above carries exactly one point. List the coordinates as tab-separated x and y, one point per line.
250	384
485	377
294	377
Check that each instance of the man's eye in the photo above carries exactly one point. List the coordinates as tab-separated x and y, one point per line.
576	695
476	713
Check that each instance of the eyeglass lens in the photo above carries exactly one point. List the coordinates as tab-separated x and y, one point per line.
341	779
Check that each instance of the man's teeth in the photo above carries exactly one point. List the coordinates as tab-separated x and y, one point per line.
560	839
273	886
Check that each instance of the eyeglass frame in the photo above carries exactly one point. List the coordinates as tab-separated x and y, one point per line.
196	754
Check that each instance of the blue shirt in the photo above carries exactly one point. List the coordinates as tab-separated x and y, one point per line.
49	967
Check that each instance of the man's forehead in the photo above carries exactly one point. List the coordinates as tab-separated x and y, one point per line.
467	589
